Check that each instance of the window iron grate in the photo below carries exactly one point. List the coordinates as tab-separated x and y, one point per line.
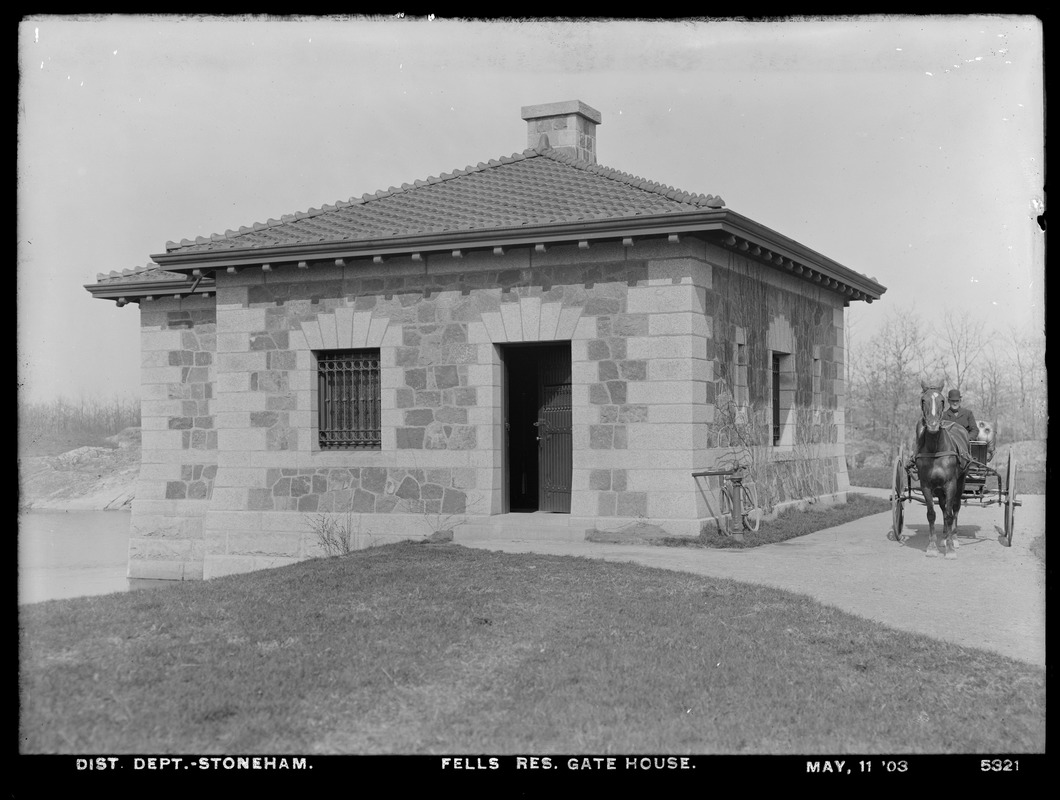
349	400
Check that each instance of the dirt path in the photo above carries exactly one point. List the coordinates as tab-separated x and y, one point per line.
990	597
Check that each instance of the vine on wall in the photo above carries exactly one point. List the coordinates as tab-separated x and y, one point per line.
742	425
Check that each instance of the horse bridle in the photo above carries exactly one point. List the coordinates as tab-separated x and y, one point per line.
936	395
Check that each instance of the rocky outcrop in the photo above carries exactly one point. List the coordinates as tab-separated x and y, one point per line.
83	479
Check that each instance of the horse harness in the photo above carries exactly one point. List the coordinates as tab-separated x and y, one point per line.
945	426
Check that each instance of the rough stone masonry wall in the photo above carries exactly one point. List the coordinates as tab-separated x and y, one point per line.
771	310
642	392
179	442
635	320
274	483
233	479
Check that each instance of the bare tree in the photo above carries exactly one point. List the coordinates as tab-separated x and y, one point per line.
964	341
1004	373
989	380
854	410
888	371
1027	359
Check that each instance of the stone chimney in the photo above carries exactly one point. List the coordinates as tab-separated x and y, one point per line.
569	127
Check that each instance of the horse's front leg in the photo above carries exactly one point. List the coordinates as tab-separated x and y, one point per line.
949	529
953	528
932	548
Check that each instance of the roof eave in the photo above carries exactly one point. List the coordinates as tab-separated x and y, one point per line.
719	221
746	228
523	235
131	291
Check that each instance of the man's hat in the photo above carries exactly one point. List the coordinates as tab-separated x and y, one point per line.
953	395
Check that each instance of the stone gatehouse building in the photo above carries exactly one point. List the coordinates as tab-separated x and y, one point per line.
537	333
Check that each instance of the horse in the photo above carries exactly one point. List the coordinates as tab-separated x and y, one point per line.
941	460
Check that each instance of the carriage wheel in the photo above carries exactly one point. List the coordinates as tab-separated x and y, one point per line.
897	492
1010	501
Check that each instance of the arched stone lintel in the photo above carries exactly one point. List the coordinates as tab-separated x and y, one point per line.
344	329
530	320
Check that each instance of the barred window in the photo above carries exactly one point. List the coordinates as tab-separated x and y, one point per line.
348	399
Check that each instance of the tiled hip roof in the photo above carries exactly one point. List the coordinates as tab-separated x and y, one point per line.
533	188
546	193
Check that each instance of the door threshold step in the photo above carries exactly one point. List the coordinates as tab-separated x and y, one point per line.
529	526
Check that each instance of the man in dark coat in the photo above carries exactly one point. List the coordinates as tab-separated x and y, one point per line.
962	416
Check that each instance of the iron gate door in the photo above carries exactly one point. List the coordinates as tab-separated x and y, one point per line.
554	430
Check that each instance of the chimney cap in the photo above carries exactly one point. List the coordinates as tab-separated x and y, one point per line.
561	109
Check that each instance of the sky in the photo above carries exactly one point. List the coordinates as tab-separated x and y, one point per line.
907	148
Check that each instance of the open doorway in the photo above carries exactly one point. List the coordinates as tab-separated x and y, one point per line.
537	424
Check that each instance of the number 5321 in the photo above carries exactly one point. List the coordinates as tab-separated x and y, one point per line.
999	765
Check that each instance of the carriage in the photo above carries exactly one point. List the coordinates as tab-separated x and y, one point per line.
983	485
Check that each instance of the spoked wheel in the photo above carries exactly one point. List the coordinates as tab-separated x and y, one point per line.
897	498
1010	501
752	513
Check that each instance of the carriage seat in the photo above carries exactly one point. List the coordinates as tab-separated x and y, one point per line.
983	447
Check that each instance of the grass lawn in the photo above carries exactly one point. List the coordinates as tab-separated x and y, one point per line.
441	649
790	523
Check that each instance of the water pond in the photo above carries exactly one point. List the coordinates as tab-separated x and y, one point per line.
73	554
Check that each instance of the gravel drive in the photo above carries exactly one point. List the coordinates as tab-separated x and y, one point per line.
990	597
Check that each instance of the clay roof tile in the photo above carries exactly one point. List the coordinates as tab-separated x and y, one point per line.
529	188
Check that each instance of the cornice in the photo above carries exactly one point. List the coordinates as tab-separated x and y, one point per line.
722	226
137	291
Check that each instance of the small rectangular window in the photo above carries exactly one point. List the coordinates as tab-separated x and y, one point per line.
782	369
817	381
776	399
739	356
348	399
